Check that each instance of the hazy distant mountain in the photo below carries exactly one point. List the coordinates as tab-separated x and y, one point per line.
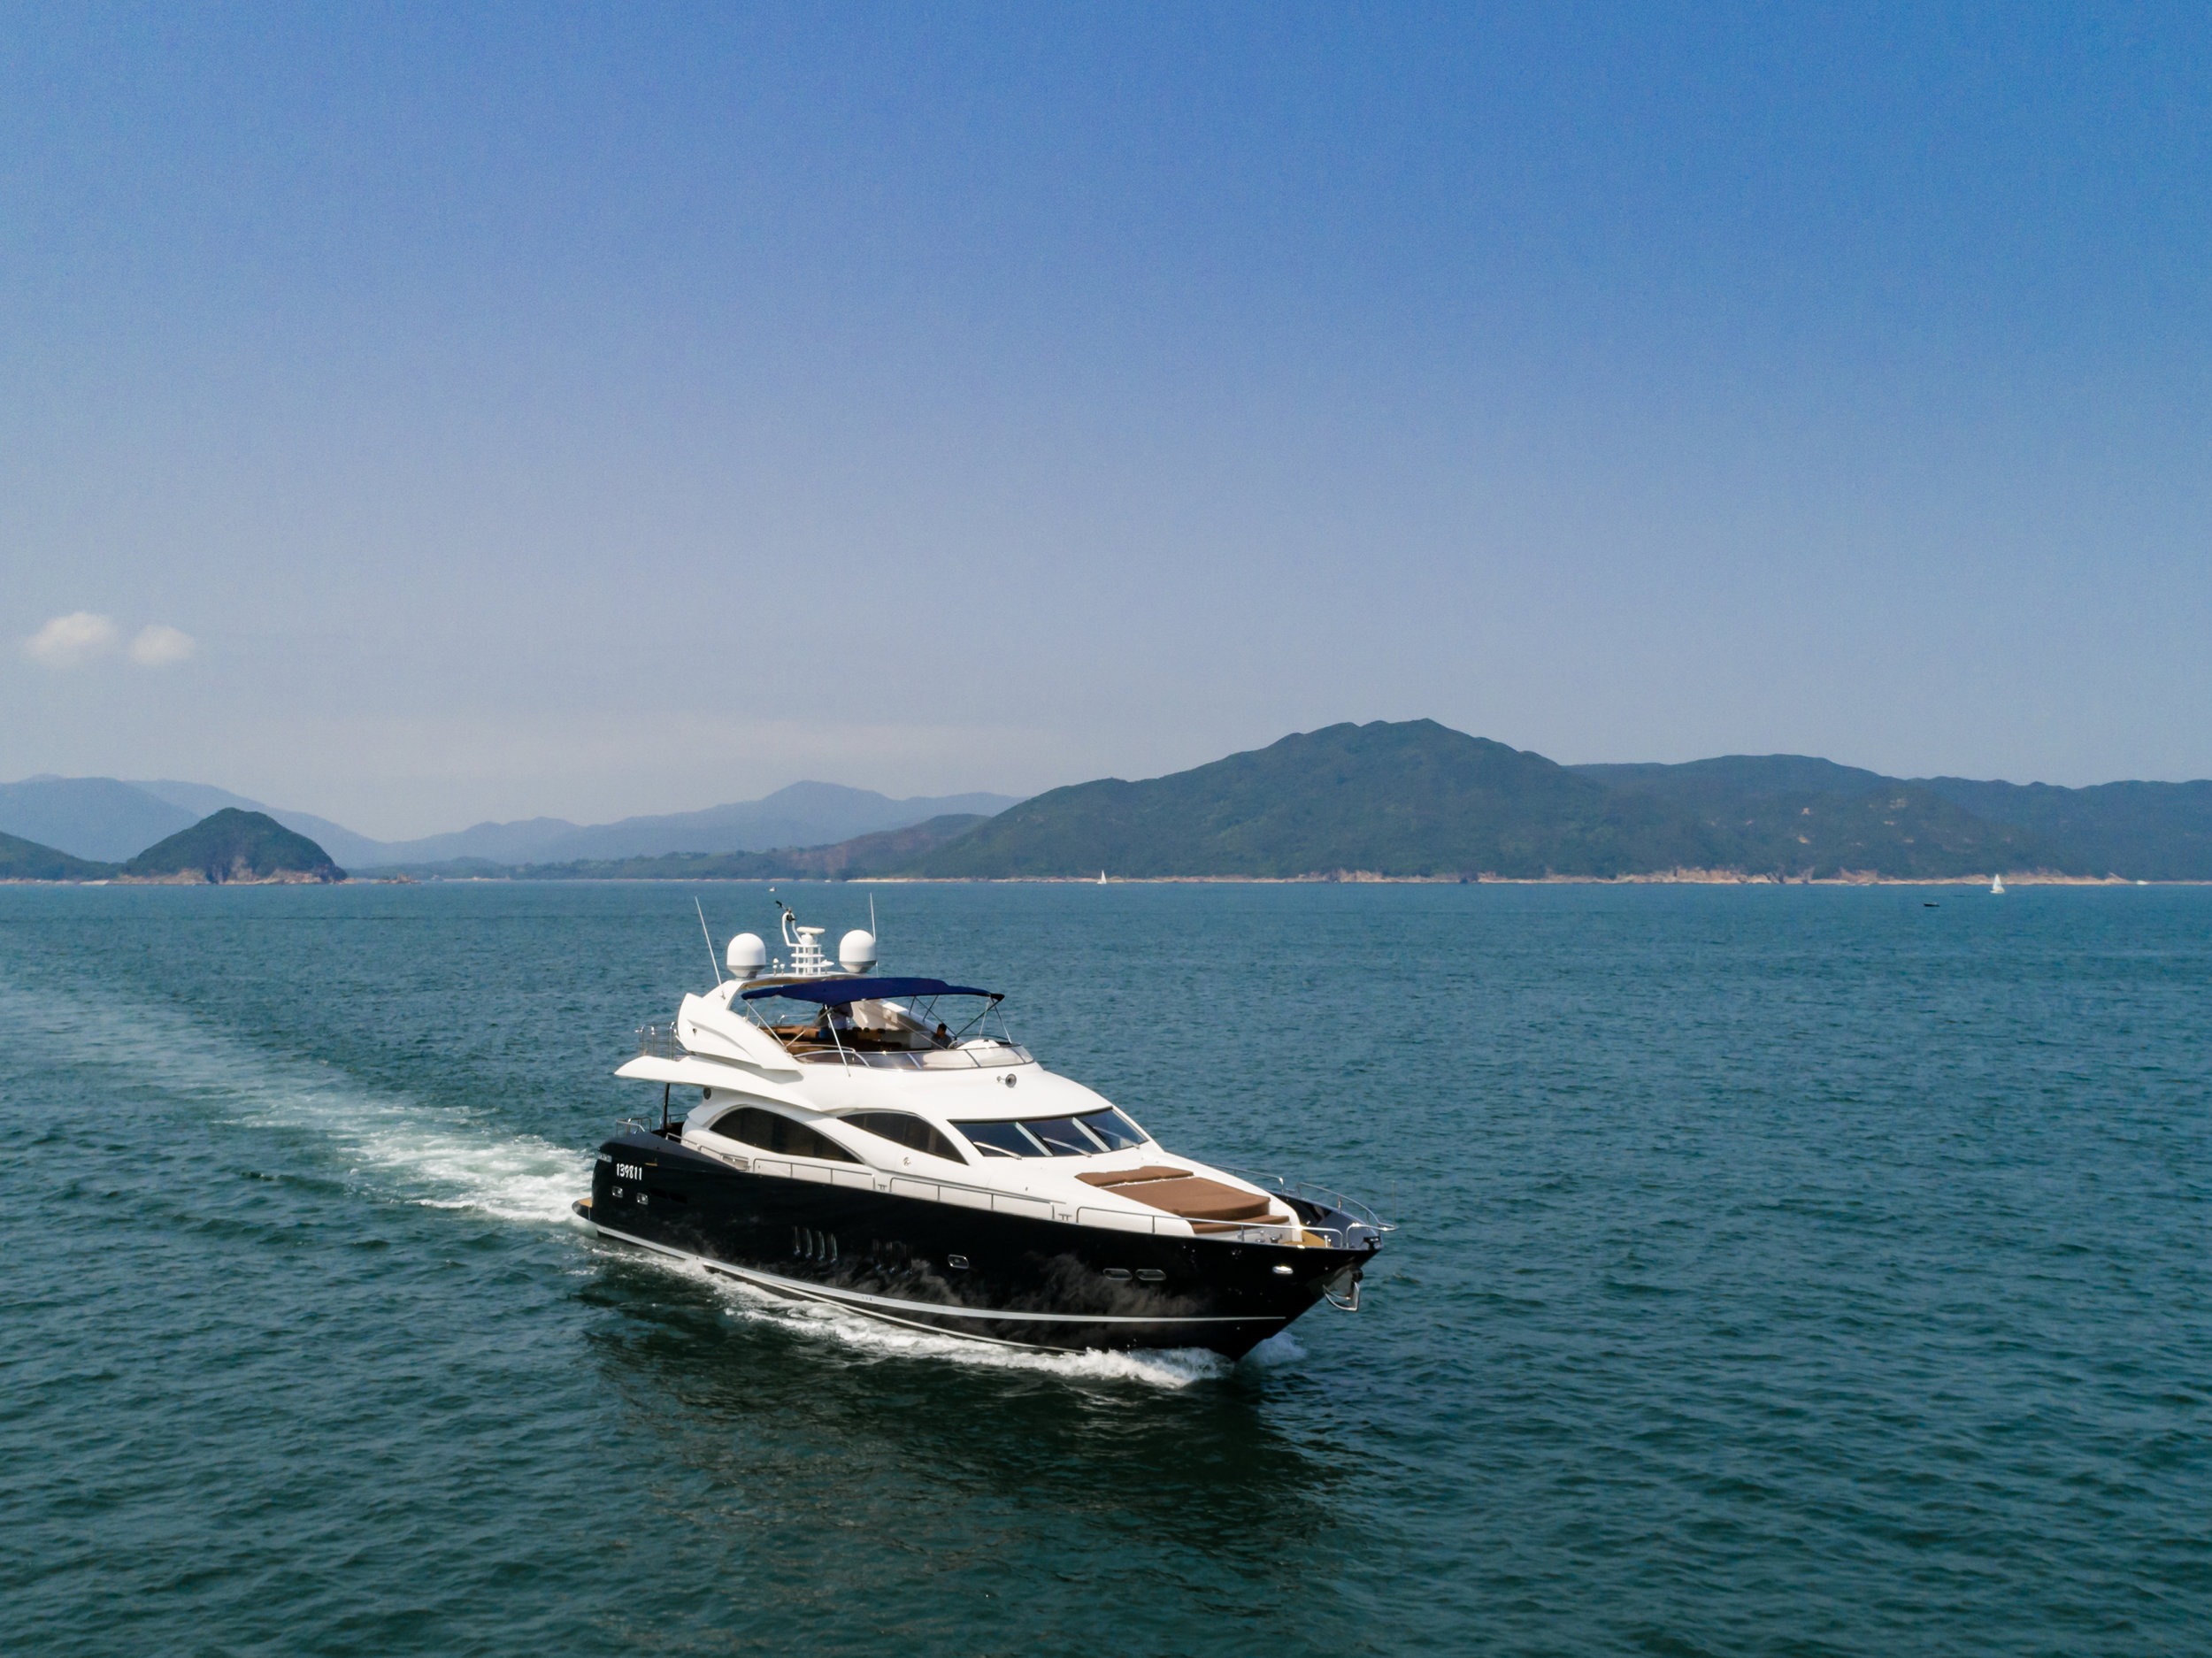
104	819
878	853
499	842
93	818
803	815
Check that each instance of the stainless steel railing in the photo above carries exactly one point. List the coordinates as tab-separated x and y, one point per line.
658	1041
920	1058
1351	1209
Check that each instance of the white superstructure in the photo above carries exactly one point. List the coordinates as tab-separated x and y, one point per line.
1009	1135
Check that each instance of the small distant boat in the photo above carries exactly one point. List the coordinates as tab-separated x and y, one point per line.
1997	886
1102	878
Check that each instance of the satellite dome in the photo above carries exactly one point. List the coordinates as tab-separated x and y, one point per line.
857	951
749	956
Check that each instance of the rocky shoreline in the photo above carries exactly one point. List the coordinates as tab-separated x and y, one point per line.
239	876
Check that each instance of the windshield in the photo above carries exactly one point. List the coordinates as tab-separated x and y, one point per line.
807	1016
1085	1136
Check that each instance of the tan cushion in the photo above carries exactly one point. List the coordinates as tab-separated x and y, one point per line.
1195	1199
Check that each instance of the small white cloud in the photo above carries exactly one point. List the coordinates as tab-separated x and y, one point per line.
69	640
159	645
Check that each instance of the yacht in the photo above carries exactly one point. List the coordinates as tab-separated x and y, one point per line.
883	1144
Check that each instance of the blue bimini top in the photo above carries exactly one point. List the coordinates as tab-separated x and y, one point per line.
836	991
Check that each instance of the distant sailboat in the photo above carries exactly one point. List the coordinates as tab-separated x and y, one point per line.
1102	878
1997	885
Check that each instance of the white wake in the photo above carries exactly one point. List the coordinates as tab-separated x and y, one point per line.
399	1147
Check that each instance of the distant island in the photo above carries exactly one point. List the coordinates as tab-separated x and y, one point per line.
232	847
22	860
1406	800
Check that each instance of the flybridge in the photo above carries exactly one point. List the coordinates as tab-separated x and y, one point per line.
877	1021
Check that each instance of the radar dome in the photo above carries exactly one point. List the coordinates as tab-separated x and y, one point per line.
857	951
749	956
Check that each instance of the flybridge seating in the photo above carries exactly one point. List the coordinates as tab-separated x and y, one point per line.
886	1023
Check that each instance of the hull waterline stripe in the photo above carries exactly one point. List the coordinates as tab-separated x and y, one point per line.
861	1300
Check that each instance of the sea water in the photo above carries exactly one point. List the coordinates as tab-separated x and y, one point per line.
1781	1270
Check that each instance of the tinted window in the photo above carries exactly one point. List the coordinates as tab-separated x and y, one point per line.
772	1131
1000	1140
1116	1129
1063	1137
908	1131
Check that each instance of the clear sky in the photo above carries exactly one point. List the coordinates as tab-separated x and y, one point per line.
418	415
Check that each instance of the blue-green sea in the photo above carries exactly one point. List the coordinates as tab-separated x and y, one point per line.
1780	1270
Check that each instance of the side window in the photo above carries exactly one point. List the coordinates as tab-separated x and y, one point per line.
1063	1137
1000	1140
906	1130
1114	1127
771	1131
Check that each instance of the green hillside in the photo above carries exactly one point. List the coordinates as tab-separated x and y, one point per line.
1405	800
234	846
1737	777
1901	831
1417	799
2152	832
22	860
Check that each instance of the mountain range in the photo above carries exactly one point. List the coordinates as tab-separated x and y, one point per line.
1417	799
109	821
1407	800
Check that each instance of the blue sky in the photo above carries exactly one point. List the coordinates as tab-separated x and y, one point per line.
596	411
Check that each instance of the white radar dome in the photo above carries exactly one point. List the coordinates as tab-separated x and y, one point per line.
749	956
857	951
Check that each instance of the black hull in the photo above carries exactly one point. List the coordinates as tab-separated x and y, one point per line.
1026	1282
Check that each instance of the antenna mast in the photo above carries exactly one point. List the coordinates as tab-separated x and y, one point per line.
709	937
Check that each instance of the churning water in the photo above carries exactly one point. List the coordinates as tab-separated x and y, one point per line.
1782	1271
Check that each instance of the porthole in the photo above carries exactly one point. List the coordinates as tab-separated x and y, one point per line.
1119	1274
958	1264
1150	1275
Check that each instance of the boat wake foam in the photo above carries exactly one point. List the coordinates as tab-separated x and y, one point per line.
401	1147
